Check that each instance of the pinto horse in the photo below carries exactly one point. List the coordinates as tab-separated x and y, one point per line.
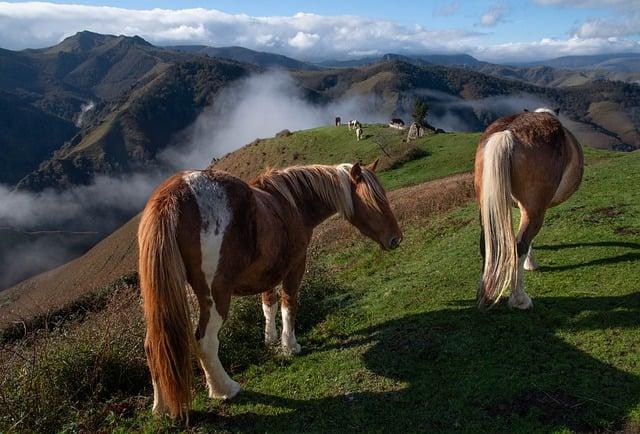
532	161
225	237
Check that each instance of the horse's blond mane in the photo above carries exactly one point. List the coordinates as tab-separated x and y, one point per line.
331	183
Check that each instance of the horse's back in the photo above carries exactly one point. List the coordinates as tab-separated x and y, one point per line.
215	211
541	153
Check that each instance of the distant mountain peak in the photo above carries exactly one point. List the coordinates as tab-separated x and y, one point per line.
86	40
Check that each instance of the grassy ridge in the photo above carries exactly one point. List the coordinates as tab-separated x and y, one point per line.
402	163
394	341
407	349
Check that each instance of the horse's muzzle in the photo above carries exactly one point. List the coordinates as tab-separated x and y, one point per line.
394	243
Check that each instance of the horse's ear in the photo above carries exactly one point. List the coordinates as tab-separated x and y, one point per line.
373	166
356	172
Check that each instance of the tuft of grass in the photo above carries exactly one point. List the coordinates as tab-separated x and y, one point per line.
74	375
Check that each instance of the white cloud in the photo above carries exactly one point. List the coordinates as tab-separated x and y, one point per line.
493	16
550	47
303	35
624	23
610	28
35	24
304	41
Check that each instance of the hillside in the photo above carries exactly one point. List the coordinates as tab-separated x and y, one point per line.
144	95
116	254
617	62
245	55
133	130
473	100
389	340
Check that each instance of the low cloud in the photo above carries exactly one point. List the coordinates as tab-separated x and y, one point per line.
84	108
452	113
257	107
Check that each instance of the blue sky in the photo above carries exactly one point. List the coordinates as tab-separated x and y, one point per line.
489	29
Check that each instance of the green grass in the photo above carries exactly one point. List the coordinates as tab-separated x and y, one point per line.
393	342
447	154
439	155
406	349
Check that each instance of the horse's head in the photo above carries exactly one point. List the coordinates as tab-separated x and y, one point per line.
372	214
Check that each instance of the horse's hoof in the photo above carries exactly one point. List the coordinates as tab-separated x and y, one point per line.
522	302
291	350
271	340
232	389
531	265
159	410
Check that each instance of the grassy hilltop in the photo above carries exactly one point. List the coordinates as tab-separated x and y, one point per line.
390	341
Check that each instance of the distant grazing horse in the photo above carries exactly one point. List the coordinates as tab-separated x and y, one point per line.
532	161
338	121
225	237
359	133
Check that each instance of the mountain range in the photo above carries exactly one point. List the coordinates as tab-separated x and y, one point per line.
109	105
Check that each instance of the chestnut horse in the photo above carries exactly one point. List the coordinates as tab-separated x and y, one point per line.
532	161
225	237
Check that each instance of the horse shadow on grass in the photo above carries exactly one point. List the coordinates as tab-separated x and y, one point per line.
459	369
625	257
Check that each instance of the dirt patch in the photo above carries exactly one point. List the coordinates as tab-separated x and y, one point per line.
555	407
608	212
626	230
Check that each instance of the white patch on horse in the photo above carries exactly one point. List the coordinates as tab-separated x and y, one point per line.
518	298
530	263
215	216
221	386
289	344
270	331
547	110
159	406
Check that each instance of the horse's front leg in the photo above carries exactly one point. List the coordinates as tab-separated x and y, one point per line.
270	309
290	287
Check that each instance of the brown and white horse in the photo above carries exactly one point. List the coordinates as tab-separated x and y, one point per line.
527	159
225	237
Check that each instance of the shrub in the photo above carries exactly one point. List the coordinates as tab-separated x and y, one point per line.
90	370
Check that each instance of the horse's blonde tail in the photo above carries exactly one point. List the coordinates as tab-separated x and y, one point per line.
169	339
501	259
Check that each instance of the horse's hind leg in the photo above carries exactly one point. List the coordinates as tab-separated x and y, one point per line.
530	224
212	316
270	309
